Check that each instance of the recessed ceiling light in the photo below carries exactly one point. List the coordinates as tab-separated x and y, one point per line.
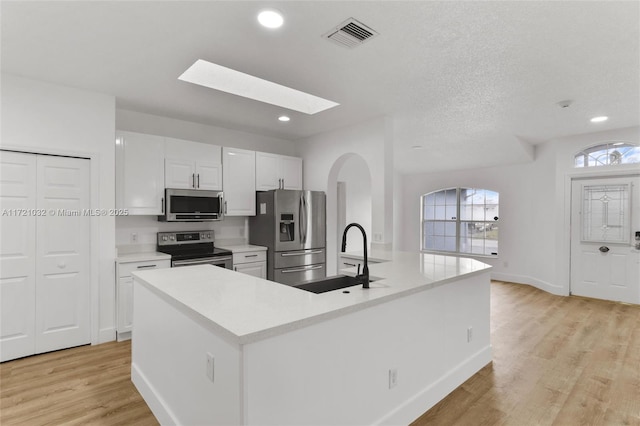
283	118
599	119
270	18
238	83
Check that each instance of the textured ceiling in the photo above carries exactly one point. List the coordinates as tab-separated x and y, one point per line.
475	83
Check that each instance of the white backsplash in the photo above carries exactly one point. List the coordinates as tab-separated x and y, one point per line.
146	229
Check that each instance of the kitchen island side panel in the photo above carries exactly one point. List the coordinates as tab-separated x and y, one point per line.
337	371
169	365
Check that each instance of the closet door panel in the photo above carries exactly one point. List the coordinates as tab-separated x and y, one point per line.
17	254
62	259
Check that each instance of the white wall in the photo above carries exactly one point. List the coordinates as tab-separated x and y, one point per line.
355	175
324	156
180	129
147	227
45	118
534	223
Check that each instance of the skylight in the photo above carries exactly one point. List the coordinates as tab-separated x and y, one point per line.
217	77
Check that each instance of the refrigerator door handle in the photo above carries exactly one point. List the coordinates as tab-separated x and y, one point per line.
301	253
306	218
301	214
288	271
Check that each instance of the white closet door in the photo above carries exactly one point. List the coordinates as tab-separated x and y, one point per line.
62	258
17	254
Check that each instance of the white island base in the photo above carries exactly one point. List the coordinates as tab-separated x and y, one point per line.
327	360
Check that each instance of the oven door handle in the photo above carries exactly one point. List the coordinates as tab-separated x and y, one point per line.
203	261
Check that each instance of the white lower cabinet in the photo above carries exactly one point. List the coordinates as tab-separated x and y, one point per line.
124	292
251	263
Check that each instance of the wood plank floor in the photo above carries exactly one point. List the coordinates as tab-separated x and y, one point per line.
556	361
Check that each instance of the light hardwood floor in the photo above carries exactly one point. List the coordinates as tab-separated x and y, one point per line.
556	361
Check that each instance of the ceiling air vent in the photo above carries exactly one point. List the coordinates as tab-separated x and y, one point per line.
350	33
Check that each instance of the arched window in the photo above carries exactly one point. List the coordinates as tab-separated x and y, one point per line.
607	154
460	220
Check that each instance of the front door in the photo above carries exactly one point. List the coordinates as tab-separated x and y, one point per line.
605	219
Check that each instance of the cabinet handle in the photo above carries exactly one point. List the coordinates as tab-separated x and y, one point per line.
162	204
198	181
282	183
250	255
349	264
225	207
146	266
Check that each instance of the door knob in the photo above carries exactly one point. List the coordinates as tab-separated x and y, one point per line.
604	249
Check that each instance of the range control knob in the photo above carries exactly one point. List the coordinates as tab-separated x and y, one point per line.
164	238
208	235
172	237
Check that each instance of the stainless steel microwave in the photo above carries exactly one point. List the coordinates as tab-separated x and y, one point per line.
190	205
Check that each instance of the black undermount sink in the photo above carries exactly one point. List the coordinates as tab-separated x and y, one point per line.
329	284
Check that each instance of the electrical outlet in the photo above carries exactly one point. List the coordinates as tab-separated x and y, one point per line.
469	334
393	378
377	237
210	366
134	237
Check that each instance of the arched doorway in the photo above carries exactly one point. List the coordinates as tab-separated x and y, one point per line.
348	200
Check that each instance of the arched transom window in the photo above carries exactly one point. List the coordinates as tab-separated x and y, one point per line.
607	154
460	220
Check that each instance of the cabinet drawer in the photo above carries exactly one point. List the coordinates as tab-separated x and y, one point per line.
249	256
125	269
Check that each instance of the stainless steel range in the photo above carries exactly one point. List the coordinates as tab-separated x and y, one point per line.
193	248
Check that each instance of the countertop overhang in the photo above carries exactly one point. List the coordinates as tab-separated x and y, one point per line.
245	309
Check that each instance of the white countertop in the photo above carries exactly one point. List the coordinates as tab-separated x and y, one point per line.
245	309
374	255
142	257
241	248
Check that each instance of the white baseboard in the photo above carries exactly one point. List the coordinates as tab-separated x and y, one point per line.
413	408
106	335
523	279
157	405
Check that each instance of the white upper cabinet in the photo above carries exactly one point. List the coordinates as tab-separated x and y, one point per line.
277	172
192	165
139	173
239	178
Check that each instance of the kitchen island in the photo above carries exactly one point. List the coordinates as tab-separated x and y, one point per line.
212	346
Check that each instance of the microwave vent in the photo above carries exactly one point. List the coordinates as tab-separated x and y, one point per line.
350	33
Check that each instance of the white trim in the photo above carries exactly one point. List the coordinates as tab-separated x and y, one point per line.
534	282
413	408
151	397
94	251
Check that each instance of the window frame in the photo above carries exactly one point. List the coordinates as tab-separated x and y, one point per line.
609	148
459	222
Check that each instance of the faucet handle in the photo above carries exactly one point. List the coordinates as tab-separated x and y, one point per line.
358	269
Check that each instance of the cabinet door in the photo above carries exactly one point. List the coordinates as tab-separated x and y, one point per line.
291	172
239	181
179	173
267	171
256	269
139	173
125	304
209	175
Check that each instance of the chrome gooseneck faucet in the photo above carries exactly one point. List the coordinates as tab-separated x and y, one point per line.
364	277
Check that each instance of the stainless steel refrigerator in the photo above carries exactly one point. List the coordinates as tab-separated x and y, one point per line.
292	225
